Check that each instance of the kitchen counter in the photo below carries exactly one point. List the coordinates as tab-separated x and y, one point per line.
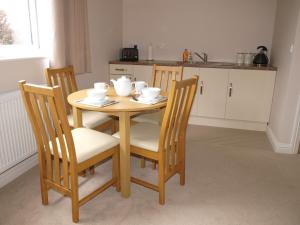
221	65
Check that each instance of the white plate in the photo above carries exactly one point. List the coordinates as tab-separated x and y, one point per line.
144	100
89	100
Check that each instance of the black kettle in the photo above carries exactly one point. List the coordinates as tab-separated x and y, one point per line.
261	57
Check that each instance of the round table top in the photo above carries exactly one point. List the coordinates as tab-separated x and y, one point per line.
124	104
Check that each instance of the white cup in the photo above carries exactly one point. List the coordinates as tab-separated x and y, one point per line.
150	92
240	58
98	94
249	58
100	86
139	86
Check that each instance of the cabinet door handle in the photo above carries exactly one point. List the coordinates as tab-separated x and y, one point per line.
201	87
230	89
122	70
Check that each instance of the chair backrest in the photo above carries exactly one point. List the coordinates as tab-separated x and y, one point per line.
64	77
162	76
175	121
48	118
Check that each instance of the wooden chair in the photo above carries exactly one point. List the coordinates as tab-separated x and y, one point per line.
63	153
65	78
162	77
166	144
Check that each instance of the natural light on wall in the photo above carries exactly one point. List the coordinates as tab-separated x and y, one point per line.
25	28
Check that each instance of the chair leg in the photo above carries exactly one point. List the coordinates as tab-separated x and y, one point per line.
43	175
44	192
161	182
182	174
182	165
82	173
143	162
114	128
92	170
74	198
153	165
116	169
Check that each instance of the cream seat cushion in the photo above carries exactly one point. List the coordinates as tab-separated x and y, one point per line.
144	135
90	119
153	118
89	143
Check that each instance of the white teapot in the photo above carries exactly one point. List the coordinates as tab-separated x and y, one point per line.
123	86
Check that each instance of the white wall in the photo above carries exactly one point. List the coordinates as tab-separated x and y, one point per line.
29	69
220	28
287	88
105	25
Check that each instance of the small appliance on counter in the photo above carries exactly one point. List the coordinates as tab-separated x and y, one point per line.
130	54
261	57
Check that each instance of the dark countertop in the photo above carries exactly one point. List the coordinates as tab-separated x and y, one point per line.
221	65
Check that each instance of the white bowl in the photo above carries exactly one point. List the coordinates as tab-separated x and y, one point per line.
150	92
97	93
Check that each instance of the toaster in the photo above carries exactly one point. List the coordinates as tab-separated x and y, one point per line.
130	54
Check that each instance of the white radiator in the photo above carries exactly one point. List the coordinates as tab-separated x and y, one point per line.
17	141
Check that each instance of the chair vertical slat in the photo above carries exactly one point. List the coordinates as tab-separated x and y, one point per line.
158	78
55	79
168	80
52	135
164	79
43	133
73	81
65	93
69	83
62	143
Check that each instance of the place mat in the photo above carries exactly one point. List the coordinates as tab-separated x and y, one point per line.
96	103
149	102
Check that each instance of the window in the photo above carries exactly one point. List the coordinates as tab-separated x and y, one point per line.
19	34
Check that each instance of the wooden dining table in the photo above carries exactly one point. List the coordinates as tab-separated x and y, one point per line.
124	110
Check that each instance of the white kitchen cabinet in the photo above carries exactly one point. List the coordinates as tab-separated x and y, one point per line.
188	72
211	93
143	73
234	98
251	93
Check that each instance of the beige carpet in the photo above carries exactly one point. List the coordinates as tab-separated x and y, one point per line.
233	178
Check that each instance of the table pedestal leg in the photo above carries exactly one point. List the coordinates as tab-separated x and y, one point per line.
124	129
77	117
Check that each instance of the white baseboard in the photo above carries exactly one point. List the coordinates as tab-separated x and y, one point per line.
293	145
279	147
226	123
14	172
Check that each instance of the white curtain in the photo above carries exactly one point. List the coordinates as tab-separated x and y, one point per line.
71	35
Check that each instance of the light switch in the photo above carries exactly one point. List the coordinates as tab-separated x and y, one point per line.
292	48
